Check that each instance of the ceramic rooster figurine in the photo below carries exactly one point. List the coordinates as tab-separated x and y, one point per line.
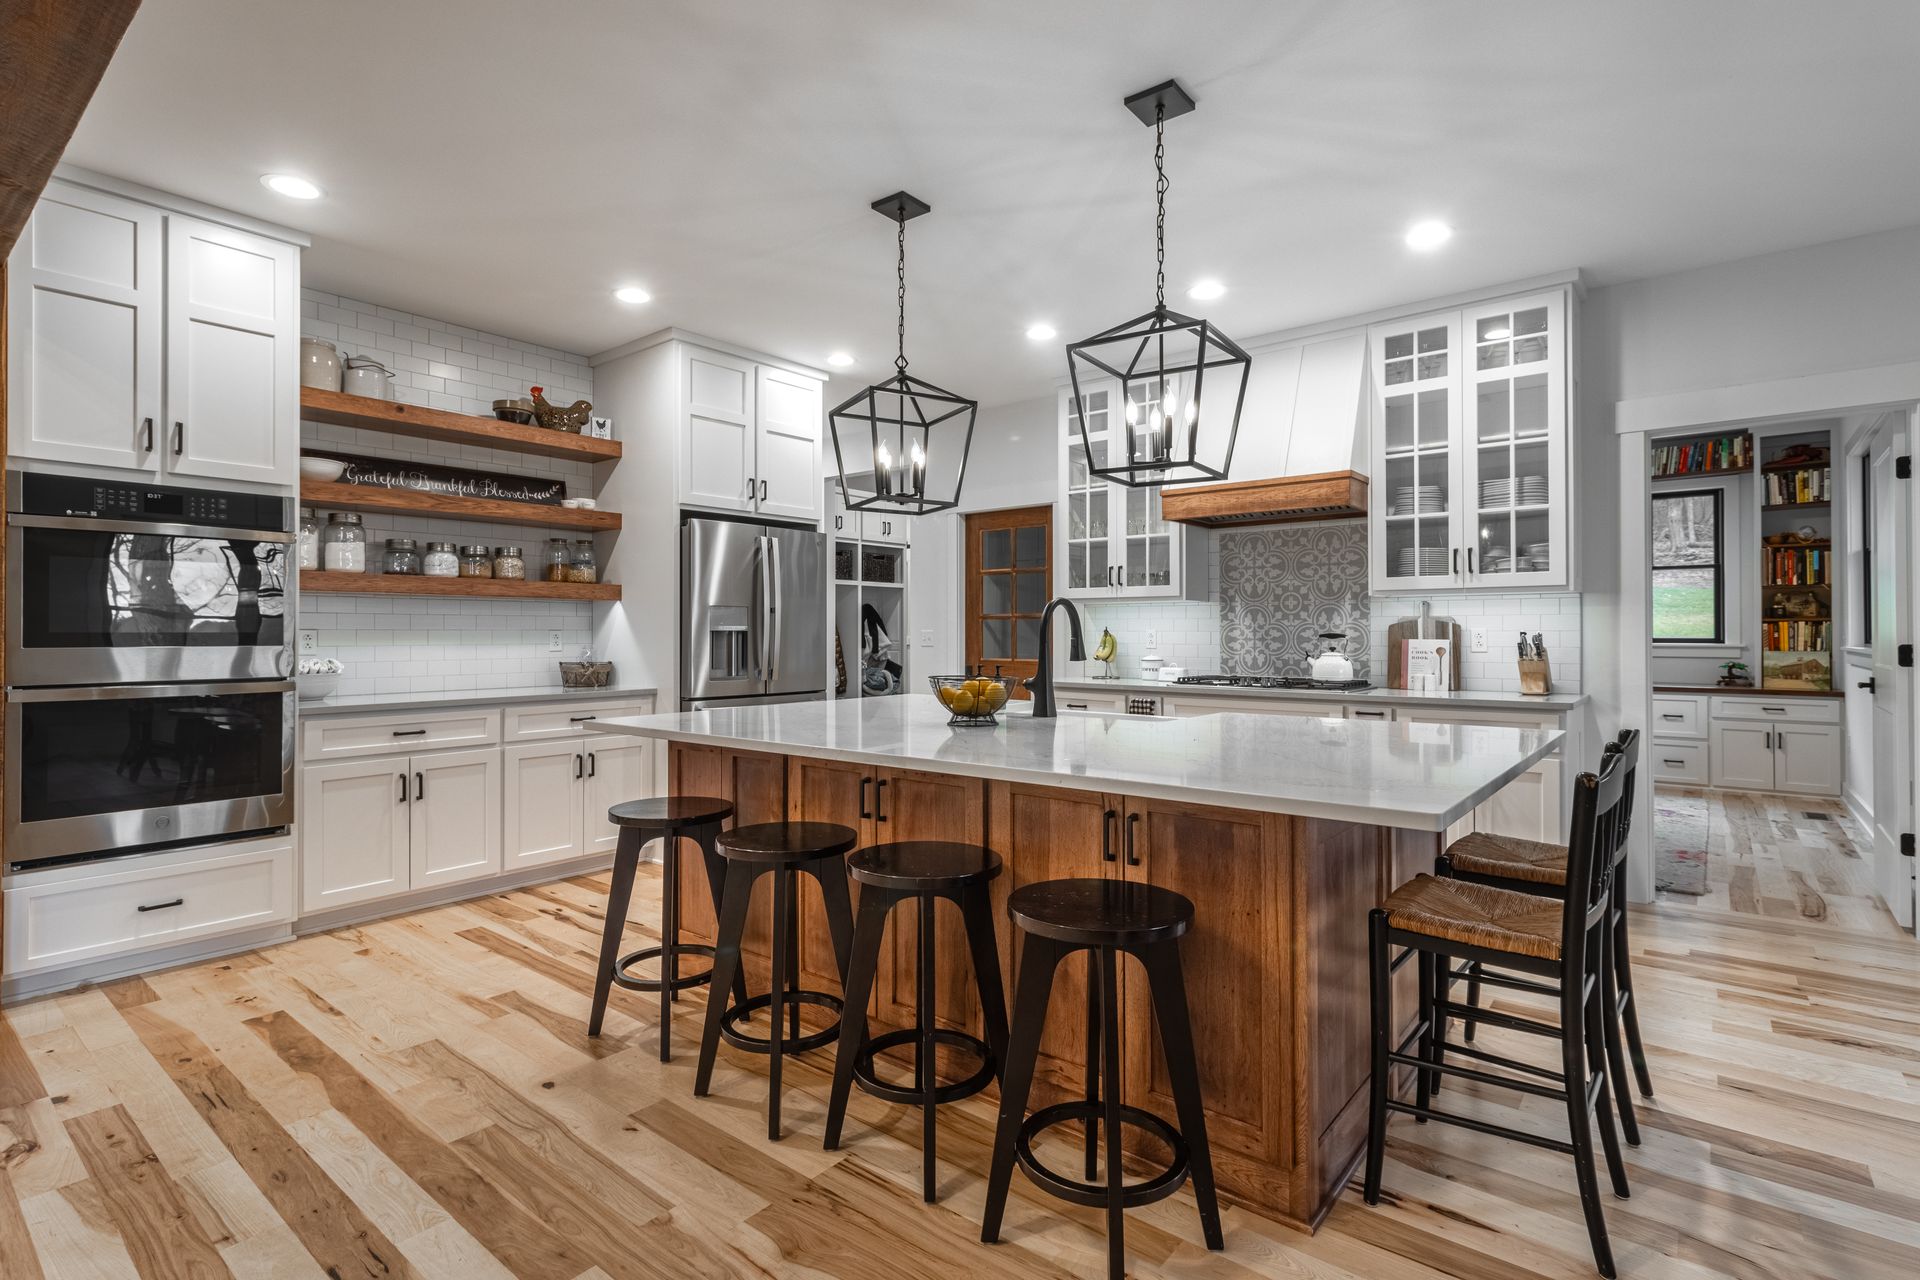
572	418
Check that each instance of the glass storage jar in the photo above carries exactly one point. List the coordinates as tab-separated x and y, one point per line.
556	562
581	565
403	556
440	561
309	539
343	547
509	563
476	561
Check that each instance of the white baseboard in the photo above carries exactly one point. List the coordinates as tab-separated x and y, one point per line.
1860	808
400	904
125	966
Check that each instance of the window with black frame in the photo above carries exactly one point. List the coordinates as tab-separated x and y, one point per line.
1689	576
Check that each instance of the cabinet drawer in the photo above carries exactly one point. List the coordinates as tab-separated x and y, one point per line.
1680	762
154	901
1680	717
1370	713
1783	710
566	719
342	737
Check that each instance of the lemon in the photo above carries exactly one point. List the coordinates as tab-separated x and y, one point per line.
962	704
996	697
946	695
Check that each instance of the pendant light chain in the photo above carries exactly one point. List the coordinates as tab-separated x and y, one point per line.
1160	199
900	359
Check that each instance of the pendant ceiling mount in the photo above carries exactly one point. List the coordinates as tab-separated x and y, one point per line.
1137	387
906	439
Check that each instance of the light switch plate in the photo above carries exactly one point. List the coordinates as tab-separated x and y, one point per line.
1479	640
309	640
553	642
926	637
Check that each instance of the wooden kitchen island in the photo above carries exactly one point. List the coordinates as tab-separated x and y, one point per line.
1283	830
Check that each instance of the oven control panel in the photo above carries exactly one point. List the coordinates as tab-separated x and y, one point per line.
50	495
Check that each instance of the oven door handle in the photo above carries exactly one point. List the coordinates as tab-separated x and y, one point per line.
125	692
148	527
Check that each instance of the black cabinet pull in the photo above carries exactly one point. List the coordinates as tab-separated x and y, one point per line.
1775	711
579	765
419	786
146	429
580	719
162	906
880	800
179	438
1469	562
763	491
1133	857
403	789
1678	764
1456	559
1106	836
593	766
1668	715
409	733
864	784
1865	684
749	488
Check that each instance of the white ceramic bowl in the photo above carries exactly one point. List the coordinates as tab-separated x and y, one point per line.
316	686
322	468
580	504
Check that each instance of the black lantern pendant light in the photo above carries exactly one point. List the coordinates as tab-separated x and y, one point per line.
1162	431
913	435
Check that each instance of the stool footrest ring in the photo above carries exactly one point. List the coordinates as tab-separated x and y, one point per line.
738	1012
621	978
863	1072
1158	1187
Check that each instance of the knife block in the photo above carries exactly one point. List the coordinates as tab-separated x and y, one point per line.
1535	676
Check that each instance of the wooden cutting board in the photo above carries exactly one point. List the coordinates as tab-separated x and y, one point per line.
1409	629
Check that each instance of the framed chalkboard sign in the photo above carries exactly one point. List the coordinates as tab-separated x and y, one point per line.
423	477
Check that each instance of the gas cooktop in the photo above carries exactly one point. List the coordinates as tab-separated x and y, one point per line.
1276	682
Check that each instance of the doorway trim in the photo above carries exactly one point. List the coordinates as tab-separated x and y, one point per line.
1845	392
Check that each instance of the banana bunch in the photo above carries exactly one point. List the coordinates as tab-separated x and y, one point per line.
1107	648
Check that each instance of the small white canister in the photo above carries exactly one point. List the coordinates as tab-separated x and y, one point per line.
319	364
365	376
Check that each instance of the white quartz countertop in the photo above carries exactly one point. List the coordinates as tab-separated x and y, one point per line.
1385	773
1554	703
366	703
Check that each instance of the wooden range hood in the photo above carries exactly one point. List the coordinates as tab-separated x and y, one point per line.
1241	504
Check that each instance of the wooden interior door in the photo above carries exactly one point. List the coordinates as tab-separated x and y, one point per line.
1009	581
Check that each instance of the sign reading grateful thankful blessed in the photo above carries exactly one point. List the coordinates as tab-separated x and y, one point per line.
386	473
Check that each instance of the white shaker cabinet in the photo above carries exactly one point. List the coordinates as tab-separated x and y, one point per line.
1468	432
1807	759
1742	756
618	770
453	835
750	438
355	831
557	795
144	339
786	444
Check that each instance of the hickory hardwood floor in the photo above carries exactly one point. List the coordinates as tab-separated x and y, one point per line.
417	1097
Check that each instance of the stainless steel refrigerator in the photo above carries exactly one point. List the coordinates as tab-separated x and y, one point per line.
753	614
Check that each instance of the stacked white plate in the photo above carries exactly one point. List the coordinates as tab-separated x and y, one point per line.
1541	553
1533	491
1432	498
1423	561
1527	491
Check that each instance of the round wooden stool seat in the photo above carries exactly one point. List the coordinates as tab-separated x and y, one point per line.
914	865
670	813
787	843
1100	912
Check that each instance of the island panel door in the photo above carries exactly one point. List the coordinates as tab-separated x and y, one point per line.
826	791
1234	867
930	806
757	786
1046	834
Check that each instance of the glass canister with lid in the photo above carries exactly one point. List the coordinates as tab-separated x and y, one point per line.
476	561
403	557
556	561
309	539
343	547
508	562
581	564
440	561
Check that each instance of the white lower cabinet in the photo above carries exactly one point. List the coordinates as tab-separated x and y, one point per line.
373	828
1807	759
1530	807
454	835
558	794
618	769
1791	746
1743	756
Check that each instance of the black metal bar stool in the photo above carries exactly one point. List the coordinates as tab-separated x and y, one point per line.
671	819
923	870
1103	918
783	850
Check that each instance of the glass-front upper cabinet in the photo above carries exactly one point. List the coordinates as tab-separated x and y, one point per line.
1469	423
1111	539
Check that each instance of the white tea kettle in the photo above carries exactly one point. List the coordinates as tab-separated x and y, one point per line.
1330	663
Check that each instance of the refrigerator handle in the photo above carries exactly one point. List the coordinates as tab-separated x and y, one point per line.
763	657
774	602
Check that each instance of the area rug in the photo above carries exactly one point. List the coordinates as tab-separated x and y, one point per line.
1680	844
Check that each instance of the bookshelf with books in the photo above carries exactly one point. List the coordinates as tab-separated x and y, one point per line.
1720	455
1797	575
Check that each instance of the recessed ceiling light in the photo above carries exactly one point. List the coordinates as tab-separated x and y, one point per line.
633	295
839	359
286	184
1207	291
1428	235
1041	331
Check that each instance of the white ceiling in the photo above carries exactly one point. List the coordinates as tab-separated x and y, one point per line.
504	164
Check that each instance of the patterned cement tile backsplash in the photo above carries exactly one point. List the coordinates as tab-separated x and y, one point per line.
1281	586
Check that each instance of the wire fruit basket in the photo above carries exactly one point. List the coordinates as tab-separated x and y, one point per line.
972	700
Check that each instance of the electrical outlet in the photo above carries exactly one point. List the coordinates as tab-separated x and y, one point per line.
309	641
1153	641
926	637
553	642
1479	640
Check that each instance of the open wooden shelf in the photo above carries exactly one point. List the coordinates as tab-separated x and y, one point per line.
357	497
1706	475
396	584
420	422
1793	506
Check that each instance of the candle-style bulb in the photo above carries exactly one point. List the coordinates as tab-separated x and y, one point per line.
1133	411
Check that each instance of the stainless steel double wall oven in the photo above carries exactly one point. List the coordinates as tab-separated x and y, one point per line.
149	661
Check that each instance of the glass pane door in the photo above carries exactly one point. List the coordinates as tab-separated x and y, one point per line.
1149	537
1515	402
1090	499
1416	369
